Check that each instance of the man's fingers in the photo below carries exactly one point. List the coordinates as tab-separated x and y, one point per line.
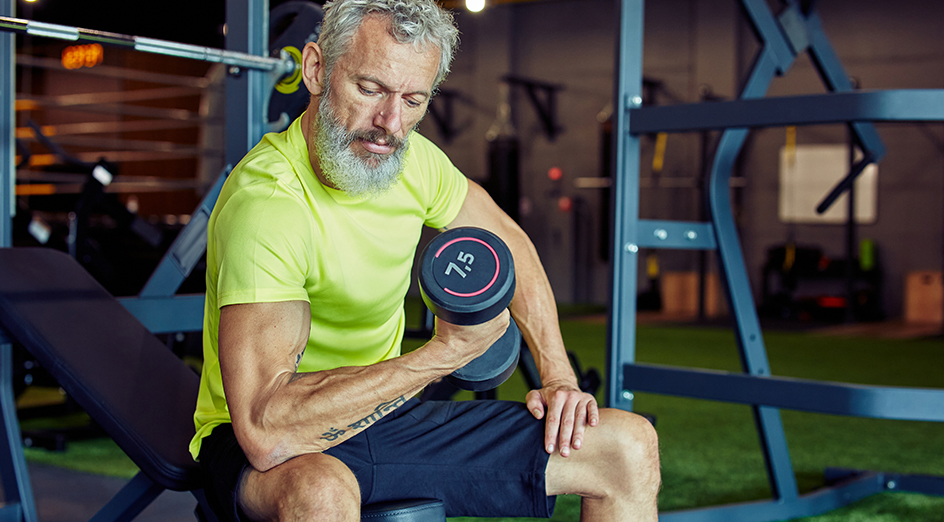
535	403
555	409
568	422
593	412
567	414
580	424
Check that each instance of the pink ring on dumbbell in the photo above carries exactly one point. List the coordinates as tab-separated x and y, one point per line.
497	266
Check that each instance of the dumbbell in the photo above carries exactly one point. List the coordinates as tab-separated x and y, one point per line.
467	277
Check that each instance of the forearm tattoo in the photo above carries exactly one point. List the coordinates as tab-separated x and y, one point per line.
379	412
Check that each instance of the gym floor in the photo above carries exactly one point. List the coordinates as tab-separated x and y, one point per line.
66	496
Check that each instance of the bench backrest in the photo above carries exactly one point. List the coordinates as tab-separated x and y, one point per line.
132	385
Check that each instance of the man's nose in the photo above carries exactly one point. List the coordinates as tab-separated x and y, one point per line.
389	115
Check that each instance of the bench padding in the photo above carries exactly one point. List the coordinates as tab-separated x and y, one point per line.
132	385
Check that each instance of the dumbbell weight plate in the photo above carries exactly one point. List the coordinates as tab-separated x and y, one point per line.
467	277
495	366
292	24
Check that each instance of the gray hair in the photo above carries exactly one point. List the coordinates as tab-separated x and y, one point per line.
417	22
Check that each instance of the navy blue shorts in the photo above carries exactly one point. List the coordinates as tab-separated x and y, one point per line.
481	458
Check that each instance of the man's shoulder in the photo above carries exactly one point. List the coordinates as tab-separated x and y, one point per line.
265	158
275	149
274	160
265	180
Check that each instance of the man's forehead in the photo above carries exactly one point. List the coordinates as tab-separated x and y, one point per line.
374	46
377	29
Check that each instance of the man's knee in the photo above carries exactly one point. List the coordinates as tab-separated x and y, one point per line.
632	443
630	477
309	487
619	459
322	493
636	435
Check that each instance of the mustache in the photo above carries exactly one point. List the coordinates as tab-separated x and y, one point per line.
375	136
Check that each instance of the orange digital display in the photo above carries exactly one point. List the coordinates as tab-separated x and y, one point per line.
78	56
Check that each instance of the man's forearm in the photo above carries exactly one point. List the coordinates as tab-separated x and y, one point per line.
535	311
312	412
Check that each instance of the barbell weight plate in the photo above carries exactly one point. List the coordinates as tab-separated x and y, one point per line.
467	275
292	25
495	366
292	82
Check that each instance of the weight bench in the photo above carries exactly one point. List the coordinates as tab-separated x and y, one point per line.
127	381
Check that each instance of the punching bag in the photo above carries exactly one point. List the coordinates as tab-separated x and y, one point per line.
502	181
503	178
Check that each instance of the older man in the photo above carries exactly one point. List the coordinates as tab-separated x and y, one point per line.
304	410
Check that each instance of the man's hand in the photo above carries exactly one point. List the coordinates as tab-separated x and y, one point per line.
569	412
469	342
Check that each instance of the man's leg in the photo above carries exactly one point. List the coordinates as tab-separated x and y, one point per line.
309	487
616	471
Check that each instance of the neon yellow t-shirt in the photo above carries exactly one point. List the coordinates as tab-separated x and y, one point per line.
277	234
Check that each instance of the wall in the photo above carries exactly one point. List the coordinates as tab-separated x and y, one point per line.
567	43
882	47
693	47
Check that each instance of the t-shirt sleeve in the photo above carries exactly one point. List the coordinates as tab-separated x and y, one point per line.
447	187
263	241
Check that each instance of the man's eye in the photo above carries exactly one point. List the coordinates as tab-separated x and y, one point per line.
369	92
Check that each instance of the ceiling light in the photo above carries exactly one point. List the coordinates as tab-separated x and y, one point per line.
475	5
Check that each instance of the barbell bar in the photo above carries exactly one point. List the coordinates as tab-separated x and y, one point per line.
283	65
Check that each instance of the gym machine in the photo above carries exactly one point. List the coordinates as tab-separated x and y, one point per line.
795	30
257	86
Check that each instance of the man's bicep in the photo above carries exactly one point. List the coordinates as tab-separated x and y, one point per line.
260	345
480	210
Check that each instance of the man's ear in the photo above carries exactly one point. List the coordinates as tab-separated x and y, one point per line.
313	68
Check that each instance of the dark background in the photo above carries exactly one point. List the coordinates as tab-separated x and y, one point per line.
198	22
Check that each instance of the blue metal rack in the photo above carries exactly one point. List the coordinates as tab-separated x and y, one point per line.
795	30
17	491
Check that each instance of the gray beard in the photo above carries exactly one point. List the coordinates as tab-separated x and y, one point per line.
359	177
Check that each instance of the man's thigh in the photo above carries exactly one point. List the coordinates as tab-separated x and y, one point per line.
481	458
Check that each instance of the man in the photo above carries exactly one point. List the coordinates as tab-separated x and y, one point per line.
309	258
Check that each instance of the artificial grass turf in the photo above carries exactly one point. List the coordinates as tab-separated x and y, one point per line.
98	456
711	453
710	450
